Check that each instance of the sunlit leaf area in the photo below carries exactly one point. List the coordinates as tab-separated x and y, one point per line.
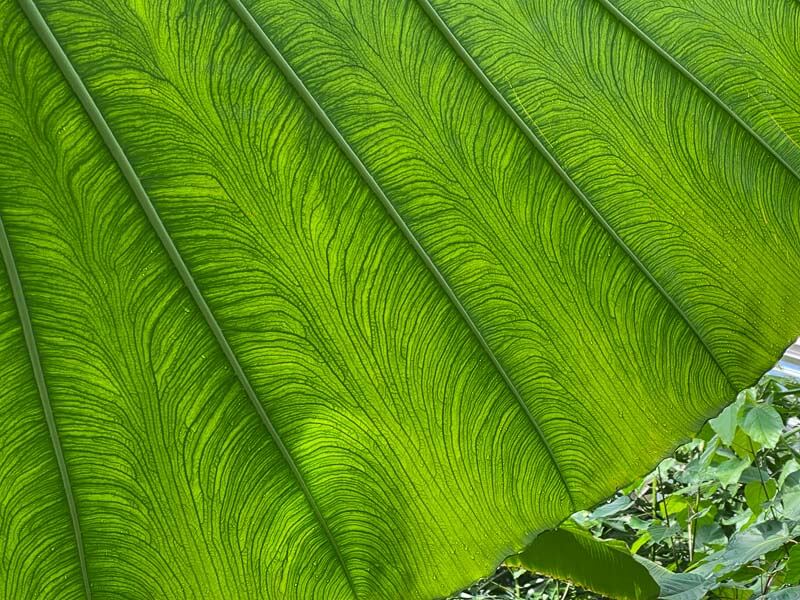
360	299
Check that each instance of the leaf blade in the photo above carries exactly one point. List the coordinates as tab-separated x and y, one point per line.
439	217
763	424
763	31
571	554
571	70
377	386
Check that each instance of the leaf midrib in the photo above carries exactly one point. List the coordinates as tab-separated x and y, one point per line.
98	120
24	315
478	72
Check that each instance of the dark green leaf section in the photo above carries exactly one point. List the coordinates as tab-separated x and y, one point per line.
694	195
604	567
744	51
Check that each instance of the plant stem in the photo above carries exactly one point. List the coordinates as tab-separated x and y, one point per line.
566	591
790	433
666	518
761	478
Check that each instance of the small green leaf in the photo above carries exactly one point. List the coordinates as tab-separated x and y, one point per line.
638	524
729	472
641	541
661	532
741	575
612	508
732	593
572	554
748	396
744	446
754	473
726	422
700	469
763	424
675	507
706	433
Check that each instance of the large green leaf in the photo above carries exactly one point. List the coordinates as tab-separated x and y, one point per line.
678	586
574	554
348	298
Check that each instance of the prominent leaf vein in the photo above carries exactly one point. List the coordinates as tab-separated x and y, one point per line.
125	166
534	138
644	37
44	395
329	126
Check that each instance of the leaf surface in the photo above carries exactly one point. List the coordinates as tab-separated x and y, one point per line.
763	424
604	567
347	299
678	586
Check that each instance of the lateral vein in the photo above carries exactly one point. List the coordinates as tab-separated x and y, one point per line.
125	166
44	395
297	83
661	51
533	137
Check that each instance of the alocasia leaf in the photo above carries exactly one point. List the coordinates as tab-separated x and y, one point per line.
348	298
745	547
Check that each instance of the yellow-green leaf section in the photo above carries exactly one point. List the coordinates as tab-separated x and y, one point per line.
347	299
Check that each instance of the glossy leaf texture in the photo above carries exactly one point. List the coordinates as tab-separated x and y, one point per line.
350	298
